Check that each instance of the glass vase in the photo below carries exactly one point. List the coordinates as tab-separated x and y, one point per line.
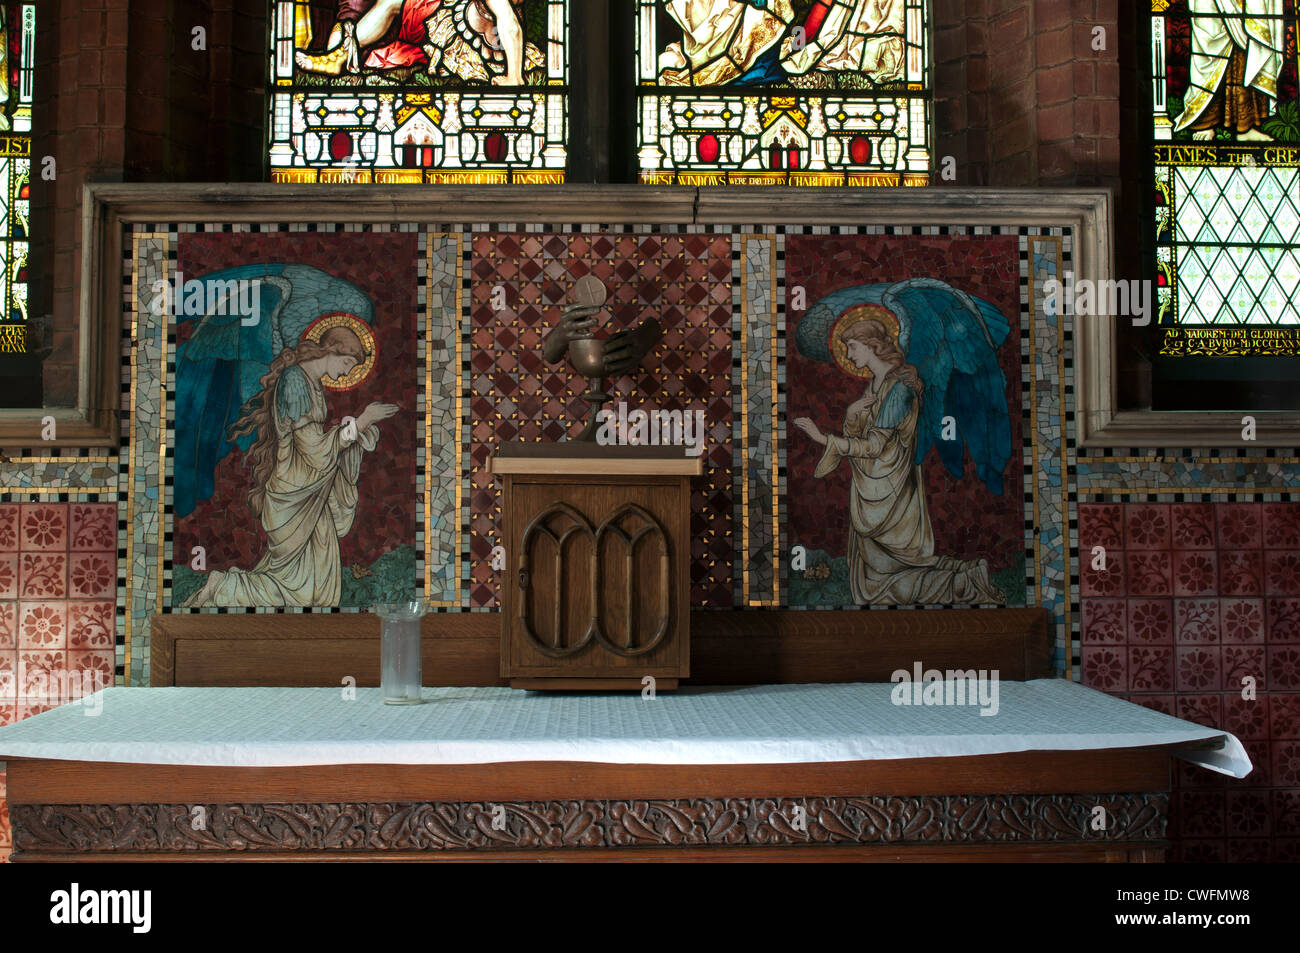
401	673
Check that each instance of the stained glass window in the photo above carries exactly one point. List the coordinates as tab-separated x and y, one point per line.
17	41
783	92
469	91
1227	172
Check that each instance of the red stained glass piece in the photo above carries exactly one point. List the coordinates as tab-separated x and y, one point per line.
860	150
340	145
708	148
495	147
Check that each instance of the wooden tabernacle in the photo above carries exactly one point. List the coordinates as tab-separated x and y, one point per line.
1027	806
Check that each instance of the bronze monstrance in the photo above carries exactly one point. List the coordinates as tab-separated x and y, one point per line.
597	358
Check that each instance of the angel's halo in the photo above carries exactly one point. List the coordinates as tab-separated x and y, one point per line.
365	334
853	316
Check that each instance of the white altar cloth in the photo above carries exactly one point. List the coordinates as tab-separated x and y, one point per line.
265	727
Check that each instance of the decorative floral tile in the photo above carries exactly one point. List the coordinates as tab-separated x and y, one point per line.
1150	620
1204	710
91	625
1284	667
1247	717
8	625
94	527
42	625
9	517
1104	621
1199	813
1281	525
1283	620
8	675
1102	582
1282	573
41	674
1241	620
1196	621
8	575
1198	668
1286	763
43	576
92	576
1193	525
1241	662
43	527
90	671
1147	526
1241	573
1240	525
1148	573
1195	573
1100	524
1151	669
1284	714
1105	668
8	706
1286	812
1248	814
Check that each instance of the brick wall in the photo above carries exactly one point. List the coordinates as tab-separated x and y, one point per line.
121	95
1021	96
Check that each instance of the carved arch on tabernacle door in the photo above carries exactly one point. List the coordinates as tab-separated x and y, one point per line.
543	527
612	528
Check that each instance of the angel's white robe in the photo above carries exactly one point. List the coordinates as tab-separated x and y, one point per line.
1219	33
891	558
722	39
311	501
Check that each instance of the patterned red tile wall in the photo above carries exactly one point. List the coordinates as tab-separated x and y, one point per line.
58	608
1195	599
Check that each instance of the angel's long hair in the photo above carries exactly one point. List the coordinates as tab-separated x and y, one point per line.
876	336
257	415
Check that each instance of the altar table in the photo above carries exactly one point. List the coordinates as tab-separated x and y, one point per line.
774	772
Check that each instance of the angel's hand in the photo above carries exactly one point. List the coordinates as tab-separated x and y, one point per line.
811	429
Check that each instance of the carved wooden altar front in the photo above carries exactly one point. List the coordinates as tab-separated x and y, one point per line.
596	592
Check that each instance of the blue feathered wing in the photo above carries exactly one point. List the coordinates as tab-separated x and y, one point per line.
219	369
952	339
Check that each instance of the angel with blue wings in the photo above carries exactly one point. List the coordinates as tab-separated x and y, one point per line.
928	352
261	387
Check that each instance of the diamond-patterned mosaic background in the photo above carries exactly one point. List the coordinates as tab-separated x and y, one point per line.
682	280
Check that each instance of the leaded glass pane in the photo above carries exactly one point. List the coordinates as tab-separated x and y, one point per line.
783	92
419	90
1227	150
